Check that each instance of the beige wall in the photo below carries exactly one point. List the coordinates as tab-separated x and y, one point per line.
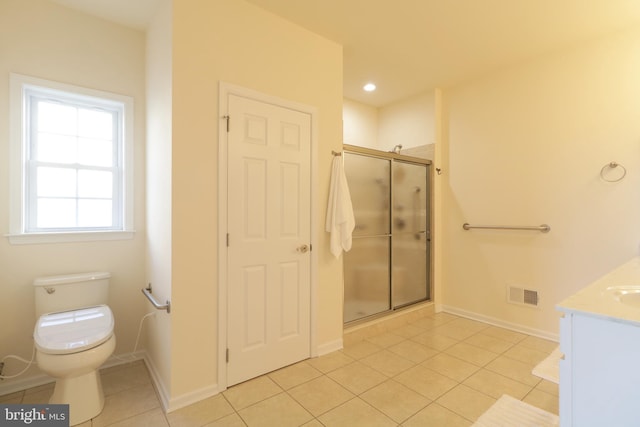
158	202
360	124
525	146
234	42
409	122
41	39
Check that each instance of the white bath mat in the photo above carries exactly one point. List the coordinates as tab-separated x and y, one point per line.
549	368
509	412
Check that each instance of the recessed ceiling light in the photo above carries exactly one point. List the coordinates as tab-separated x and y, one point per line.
369	87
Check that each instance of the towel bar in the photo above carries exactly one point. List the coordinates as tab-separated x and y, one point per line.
544	228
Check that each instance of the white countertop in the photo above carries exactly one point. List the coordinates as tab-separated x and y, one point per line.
596	300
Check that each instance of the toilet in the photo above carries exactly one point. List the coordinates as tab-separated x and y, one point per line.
73	338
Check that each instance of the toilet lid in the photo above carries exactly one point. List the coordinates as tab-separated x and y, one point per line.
73	331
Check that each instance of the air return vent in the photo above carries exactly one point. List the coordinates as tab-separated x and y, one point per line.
523	296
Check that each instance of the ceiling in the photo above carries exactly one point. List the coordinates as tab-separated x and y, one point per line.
409	46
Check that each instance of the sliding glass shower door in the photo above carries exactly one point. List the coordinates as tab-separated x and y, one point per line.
388	265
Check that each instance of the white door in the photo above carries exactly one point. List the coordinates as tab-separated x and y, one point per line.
269	221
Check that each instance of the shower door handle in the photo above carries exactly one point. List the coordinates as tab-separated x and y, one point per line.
302	249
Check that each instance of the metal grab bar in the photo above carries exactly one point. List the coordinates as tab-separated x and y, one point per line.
147	293
544	228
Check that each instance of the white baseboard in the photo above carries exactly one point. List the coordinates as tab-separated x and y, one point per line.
163	394
501	323
330	347
192	397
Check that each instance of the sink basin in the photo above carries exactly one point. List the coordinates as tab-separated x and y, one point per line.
629	295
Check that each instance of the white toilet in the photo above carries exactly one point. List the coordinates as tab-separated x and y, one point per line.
74	337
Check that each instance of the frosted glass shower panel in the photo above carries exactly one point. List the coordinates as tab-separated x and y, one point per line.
410	233
367	277
370	188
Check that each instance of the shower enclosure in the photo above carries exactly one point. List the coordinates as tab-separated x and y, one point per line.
388	266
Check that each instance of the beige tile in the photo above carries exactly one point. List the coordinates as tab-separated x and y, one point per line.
280	410
466	402
513	369
487	342
543	400
252	391
200	413
12	397
425	323
454	331
357	377
361	349
320	395
88	424
386	339
504	334
442	318
330	362
294	375
450	366
435	415
413	351
232	420
548	387
355	413
526	355
435	341
495	385
41	396
152	418
408	331
313	423
387	362
426	382
126	404
468	324
541	344
395	400
127	376
37	389
472	354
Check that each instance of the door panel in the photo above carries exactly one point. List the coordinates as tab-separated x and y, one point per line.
269	149
410	246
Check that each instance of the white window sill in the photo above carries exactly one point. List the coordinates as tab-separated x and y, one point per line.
86	236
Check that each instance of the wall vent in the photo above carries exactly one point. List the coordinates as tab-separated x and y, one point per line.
523	296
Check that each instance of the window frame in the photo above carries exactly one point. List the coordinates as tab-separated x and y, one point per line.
21	88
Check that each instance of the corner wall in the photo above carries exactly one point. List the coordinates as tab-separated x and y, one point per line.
525	147
238	43
42	39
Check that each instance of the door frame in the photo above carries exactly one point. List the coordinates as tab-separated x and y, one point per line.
224	90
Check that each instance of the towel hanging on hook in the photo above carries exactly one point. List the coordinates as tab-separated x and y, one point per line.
612	166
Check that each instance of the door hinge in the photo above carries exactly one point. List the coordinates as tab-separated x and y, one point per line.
228	119
227	356
227	239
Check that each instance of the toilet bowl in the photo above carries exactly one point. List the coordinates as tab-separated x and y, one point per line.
72	344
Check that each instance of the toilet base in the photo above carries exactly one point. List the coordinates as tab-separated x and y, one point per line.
83	394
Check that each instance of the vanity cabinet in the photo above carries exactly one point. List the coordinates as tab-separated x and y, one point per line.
600	370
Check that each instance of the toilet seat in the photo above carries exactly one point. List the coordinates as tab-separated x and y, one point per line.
73	331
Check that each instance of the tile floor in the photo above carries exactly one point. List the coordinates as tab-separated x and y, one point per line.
438	370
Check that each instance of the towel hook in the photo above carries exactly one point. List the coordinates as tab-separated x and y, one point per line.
612	165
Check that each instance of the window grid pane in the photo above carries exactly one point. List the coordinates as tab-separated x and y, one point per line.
73	175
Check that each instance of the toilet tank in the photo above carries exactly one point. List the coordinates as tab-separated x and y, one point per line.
70	292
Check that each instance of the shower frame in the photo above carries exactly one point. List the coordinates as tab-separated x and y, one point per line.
392	157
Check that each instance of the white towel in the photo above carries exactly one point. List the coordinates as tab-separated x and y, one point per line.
340	220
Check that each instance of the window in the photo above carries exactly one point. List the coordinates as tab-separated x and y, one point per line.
70	163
